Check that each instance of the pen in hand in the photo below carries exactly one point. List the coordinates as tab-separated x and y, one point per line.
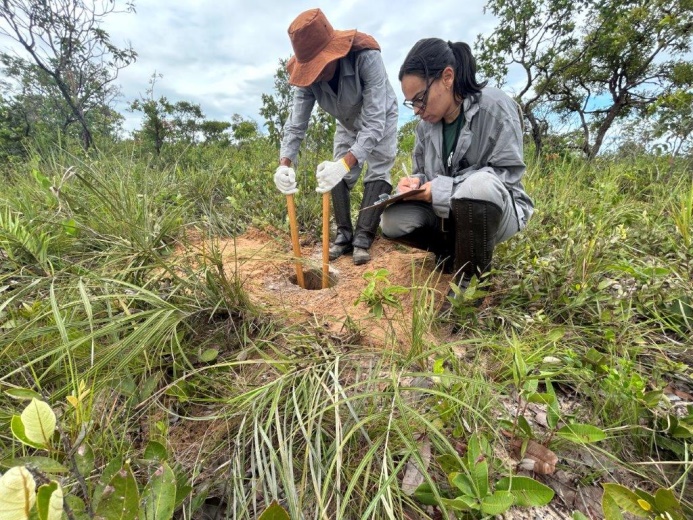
408	183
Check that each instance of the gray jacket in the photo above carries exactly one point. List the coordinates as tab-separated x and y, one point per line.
491	140
365	104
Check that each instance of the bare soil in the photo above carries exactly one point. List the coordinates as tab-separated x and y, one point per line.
264	262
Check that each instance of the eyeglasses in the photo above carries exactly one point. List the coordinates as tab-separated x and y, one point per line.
421	99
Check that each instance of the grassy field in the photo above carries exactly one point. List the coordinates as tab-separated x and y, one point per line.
159	365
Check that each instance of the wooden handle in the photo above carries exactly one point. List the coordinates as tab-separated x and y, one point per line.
294	240
325	240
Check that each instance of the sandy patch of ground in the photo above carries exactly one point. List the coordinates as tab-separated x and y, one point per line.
264	262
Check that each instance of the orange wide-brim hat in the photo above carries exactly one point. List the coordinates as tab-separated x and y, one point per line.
315	45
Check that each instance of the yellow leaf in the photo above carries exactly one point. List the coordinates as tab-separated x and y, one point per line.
644	504
73	401
17	494
39	422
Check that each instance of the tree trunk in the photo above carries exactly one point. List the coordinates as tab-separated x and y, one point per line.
613	113
537	135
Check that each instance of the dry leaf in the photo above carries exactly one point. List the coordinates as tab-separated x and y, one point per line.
678	393
544	459
413	476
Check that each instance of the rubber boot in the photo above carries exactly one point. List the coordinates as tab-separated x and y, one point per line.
430	239
475	224
341	204
368	221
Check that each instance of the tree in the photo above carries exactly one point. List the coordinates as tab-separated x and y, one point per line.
531	35
215	132
673	113
244	130
406	136
276	107
65	40
155	126
619	64
37	102
12	129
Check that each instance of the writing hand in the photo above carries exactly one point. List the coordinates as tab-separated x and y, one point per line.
406	184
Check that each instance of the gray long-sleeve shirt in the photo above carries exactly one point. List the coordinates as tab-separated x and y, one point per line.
491	140
365	104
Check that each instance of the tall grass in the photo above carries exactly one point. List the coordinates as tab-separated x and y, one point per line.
95	287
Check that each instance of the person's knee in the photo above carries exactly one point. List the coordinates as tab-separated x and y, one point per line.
483	186
391	227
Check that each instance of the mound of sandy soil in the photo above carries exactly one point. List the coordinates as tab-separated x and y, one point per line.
264	262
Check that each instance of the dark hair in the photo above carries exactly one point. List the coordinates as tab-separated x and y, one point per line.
429	57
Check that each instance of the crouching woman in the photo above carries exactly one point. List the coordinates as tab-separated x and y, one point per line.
468	159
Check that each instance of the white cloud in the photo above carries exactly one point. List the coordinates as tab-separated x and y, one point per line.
223	55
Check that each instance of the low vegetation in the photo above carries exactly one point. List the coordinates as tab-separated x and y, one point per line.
131	365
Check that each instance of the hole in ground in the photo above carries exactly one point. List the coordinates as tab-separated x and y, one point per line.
313	279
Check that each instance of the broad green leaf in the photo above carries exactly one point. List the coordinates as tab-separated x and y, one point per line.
41	179
22	394
681	431
480	477
424	494
49	501
556	334
84	458
209	355
70	227
109	471
44	464
274	512
625	499
552	410
39	422
527	491
460	503
476	448
155	451
448	463
17	427
17	494
610	508
541	398
120	499
652	398
183	487
463	483
581	433
157	501
497	503
577	515
79	510
525	426
666	502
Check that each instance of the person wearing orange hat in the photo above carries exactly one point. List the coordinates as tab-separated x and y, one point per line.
343	71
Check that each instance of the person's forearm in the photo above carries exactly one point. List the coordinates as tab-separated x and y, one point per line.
284	161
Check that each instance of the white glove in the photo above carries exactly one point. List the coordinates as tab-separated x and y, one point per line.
329	174
285	179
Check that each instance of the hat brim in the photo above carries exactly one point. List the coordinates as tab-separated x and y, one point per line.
305	74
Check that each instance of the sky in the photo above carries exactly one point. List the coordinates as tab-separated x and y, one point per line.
223	55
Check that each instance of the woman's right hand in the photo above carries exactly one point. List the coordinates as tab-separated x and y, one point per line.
406	184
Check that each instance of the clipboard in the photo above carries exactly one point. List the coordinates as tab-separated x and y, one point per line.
385	201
